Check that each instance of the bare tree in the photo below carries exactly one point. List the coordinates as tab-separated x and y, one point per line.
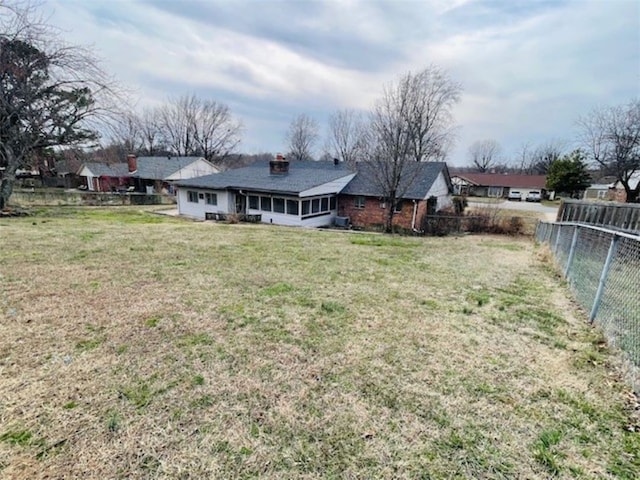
484	154
192	126
126	134
49	91
216	133
150	131
544	155
611	136
411	123
346	136
431	95
302	137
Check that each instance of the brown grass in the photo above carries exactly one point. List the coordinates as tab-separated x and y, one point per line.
133	346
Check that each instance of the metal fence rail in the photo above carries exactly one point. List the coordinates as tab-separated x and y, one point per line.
602	267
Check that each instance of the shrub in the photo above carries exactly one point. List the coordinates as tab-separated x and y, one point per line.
233	218
460	204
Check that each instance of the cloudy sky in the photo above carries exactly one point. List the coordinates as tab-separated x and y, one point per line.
528	68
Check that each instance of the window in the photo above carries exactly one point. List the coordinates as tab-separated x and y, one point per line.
211	198
359	202
278	205
317	206
494	192
254	202
292	207
398	207
192	196
265	204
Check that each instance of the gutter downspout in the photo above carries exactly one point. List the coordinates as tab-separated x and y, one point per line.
413	219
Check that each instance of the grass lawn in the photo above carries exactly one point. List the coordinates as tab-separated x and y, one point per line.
138	346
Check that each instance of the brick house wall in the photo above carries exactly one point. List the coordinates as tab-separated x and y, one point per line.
373	215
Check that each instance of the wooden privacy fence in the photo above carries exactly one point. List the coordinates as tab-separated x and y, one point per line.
618	216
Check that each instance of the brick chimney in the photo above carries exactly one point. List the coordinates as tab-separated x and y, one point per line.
279	166
132	163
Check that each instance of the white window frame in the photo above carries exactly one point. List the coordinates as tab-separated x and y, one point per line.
192	196
209	196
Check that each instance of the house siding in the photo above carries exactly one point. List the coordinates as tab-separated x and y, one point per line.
440	190
199	210
226	204
198	168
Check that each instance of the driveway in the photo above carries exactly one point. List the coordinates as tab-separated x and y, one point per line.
548	212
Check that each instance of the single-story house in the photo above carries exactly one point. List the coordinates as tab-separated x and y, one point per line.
498	185
302	193
426	189
602	189
143	174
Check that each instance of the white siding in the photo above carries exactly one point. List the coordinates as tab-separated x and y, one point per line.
440	190
88	174
199	210
294	221
199	168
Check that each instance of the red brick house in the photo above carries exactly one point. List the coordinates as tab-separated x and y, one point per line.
429	188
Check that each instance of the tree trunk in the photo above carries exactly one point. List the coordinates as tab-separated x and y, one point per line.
388	224
6	188
633	194
8	179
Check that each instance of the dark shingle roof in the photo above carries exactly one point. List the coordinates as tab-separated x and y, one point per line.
302	176
418	177
108	170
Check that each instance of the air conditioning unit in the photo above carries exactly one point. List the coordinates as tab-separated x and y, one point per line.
342	222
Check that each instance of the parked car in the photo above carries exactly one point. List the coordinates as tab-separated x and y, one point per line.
514	195
534	196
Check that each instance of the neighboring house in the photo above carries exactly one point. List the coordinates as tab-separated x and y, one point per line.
602	189
301	193
618	192
498	185
429	190
143	174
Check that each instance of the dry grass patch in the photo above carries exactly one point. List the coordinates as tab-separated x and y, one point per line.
135	346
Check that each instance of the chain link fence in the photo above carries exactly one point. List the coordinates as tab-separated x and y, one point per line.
602	267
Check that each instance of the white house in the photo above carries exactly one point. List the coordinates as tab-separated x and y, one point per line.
301	193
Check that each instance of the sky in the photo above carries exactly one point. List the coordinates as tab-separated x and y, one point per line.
529	69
